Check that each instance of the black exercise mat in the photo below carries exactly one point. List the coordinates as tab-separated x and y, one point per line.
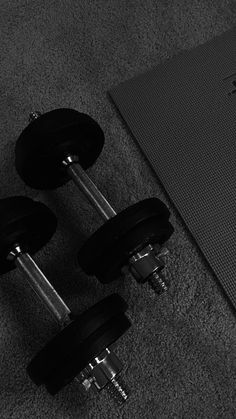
183	115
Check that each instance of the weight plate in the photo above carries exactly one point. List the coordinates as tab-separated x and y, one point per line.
105	336
44	143
29	223
131	228
73	336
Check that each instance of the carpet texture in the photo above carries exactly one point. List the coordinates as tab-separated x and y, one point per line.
180	355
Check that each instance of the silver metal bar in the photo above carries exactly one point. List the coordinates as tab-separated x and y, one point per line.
86	185
41	286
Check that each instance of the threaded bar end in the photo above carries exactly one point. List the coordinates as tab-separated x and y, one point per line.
34	115
158	283
117	391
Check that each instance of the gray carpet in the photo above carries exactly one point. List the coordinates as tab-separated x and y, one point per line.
180	355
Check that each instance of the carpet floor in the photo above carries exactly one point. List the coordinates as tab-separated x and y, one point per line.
179	356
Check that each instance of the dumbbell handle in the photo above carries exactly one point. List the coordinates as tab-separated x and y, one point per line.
82	180
41	286
85	184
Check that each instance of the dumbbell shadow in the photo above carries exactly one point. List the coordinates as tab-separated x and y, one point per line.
81	350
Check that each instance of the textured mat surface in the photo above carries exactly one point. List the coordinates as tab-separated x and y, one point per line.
182	114
179	356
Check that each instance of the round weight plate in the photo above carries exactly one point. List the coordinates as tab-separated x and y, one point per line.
44	143
105	336
118	229
29	223
73	336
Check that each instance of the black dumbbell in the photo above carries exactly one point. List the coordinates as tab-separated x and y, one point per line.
81	349
60	145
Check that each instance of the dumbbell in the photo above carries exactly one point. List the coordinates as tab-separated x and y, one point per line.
60	145
81	350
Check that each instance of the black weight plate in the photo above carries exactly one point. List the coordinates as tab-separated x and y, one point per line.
44	143
118	227
110	264
29	223
105	336
73	336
